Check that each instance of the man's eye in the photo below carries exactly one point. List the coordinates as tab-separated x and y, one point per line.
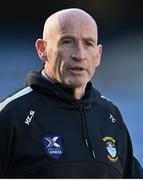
67	41
90	44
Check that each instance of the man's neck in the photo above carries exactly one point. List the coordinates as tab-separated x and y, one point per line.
46	76
78	92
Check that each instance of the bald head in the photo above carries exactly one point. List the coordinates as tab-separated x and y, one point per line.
67	18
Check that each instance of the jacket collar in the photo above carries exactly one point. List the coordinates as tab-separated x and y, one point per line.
45	85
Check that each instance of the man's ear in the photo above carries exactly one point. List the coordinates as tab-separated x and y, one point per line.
99	53
40	45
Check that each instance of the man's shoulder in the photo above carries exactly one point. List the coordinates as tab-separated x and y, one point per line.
107	104
104	101
11	99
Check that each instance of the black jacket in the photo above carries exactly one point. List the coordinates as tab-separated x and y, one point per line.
46	133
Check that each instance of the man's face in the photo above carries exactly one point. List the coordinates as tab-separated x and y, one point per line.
72	53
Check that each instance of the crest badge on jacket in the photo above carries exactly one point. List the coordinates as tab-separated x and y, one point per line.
53	145
111	148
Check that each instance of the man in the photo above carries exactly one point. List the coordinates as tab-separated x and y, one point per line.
59	125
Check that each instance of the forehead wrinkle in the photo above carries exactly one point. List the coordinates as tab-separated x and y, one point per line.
76	24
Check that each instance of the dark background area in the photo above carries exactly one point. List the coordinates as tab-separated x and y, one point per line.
119	76
111	15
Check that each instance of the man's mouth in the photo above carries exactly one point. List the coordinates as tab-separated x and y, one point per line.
77	68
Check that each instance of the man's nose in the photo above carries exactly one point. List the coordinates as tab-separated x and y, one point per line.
79	53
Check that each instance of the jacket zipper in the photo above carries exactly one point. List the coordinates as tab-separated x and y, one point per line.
85	130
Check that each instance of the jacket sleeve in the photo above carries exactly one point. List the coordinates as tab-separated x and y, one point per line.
138	170
132	168
5	141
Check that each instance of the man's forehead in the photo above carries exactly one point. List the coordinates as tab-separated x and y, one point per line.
78	29
76	20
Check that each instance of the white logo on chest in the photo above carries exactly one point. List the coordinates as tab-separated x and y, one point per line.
112	118
29	117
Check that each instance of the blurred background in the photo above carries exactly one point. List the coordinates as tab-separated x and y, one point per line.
119	76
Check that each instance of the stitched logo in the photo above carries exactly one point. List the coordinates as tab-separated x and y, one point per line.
29	117
53	145
112	118
111	149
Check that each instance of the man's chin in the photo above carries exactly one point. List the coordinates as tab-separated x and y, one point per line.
76	83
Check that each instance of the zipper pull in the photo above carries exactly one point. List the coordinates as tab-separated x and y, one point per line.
86	142
93	153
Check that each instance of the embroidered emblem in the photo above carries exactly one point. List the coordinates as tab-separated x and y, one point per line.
110	146
112	118
53	146
29	117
